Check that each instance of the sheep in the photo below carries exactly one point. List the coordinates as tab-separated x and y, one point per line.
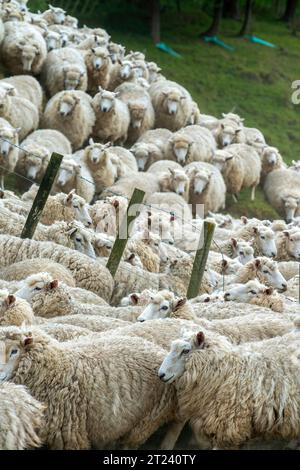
112	117
288	245
107	164
64	332
23	269
9	152
154	71
262	238
36	152
295	166
54	15
258	387
140	402
125	186
53	40
282	189
23	49
122	71
71	113
195	117
265	270
192	143
171	177
146	245
19	112
86	272
74	175
107	216
66	207
240	165
27	87
150	147
64	69
92	323
270	160
207	187
99	67
14	311
230	131
116	52
21	418
172	203
140	108
172	104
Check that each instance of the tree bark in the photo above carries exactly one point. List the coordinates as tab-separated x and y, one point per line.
155	21
232	9
213	30
247	24
290	10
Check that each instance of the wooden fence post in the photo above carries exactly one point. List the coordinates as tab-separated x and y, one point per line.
200	259
42	196
120	242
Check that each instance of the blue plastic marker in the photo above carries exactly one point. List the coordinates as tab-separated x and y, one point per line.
218	42
257	40
164	47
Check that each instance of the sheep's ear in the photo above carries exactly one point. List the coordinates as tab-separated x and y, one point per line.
229	157
91	141
255	230
269	290
244	219
53	284
134	298
224	263
131	257
200	338
207	299
28	341
69	198
237	131
116	203
93	50
107	145
10	299
286	233
179	303
234	242
222	126
72	231
257	262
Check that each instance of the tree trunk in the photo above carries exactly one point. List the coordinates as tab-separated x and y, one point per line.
155	21
213	30
247	24
232	9
290	10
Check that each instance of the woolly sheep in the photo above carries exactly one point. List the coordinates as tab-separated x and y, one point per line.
99	67
143	404
87	273
19	112
116	52
14	311
9	139
67	207
122	71
172	104
207	187
74	175
282	189
53	40
54	15
140	108
270	160
125	186
265	270
192	143
23	48
21	418
37	150
150	147
27	87
107	216
262	238
71	113
288	245
171	177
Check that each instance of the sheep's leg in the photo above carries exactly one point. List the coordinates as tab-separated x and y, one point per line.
172	435
2	182
235	197
253	193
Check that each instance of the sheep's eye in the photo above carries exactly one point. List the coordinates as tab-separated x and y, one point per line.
185	351
291	239
164	307
78	239
262	237
37	288
253	292
13	352
241	253
156	244
76	207
266	272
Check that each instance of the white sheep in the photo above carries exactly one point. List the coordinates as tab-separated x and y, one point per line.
282	189
54	15
74	175
122	71
71	113
112	117
171	177
150	147
288	245
172	104
53	40
67	207
172	203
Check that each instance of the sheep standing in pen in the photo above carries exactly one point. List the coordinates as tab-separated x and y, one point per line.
282	189
71	113
99	67
112	117
150	147
74	175
263	397
9	140
67	207
265	270
140	402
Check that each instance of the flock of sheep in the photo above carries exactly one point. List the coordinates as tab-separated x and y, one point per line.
92	361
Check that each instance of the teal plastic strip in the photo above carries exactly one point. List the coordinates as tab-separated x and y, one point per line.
164	47
218	42
257	40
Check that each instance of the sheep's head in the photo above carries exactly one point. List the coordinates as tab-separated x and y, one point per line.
67	172
160	306
104	100
290	205
220	158
99	58
265	239
80	208
67	104
29	53
244	292
139	68
73	77
35	157
199	179
126	69
292	238
13	343
160	224
179	181
137	114
71	21
269	273
244	252
172	101
270	156
143	152
53	40
103	244
228	133
116	52
173	365
8	137
81	239
58	15
97	154
233	117
34	284
181	146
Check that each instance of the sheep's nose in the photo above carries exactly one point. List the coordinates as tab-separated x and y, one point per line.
141	320
89	223
226	295
161	375
225	144
284	286
273	254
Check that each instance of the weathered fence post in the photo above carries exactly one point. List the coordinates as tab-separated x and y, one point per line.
200	259
120	243
42	196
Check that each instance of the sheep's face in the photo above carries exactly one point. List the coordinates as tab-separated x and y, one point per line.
126	69
179	181
105	101
33	285
159	307
58	15
290	205
142	153
139	68
67	172
293	243
53	41
270	274
181	147
64	37
80	208
103	244
34	159
82	242
270	156
73	77
99	59
116	51
265	238
11	349
6	300
172	102
67	105
7	138
244	292
173	365
228	134
137	114
29	53
201	180
244	252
